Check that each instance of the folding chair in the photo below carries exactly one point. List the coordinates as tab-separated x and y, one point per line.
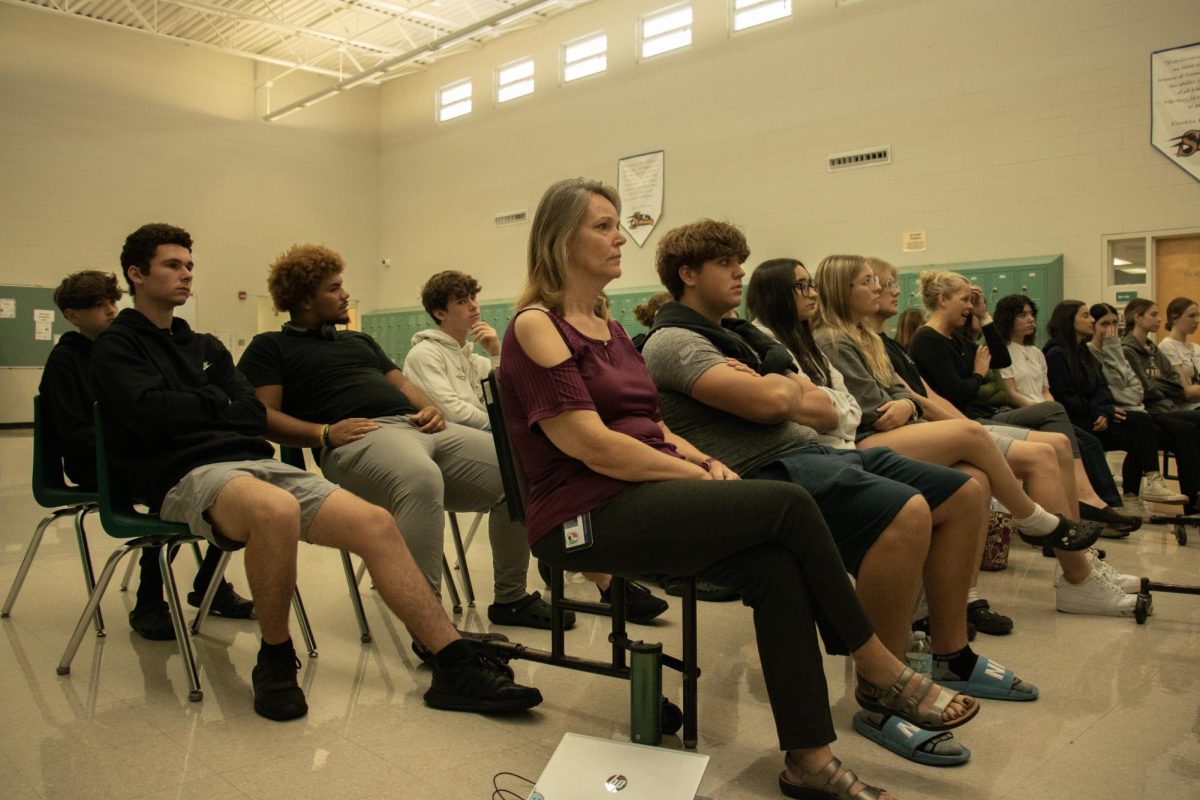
51	491
645	685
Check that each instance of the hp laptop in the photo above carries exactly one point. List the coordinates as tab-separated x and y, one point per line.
587	768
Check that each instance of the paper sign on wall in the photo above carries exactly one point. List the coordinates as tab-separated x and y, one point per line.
1175	106
913	242
43	321
640	187
8	308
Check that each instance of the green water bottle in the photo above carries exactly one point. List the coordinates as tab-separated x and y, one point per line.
645	693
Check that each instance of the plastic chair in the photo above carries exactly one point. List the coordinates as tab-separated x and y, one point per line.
645	675
51	491
140	529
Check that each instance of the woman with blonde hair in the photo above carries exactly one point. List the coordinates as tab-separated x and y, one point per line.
584	419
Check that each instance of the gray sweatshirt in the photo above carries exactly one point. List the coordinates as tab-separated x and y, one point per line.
1160	383
860	382
1122	381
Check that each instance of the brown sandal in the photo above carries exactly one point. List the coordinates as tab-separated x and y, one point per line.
823	786
893	700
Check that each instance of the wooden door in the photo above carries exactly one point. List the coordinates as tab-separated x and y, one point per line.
1176	272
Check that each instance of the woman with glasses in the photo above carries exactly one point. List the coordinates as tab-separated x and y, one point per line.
612	489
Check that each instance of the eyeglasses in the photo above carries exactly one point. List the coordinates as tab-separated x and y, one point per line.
804	286
889	285
871	281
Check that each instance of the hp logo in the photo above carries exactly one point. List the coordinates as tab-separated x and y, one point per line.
615	783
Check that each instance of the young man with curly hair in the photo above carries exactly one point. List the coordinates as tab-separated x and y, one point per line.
381	436
187	428
88	300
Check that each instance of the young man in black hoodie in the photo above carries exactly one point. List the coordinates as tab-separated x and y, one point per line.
188	428
88	300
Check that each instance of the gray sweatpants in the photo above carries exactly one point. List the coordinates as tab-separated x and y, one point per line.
419	476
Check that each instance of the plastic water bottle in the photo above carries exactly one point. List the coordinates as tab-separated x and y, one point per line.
920	654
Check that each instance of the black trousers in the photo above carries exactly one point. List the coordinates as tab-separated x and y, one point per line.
1138	438
1179	433
765	539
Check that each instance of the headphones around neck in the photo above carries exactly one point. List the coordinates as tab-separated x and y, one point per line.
327	331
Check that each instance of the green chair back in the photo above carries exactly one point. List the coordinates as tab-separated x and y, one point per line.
117	513
50	489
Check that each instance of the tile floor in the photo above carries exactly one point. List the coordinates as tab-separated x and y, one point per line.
1119	715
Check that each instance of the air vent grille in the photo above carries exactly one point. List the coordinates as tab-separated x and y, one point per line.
511	218
870	157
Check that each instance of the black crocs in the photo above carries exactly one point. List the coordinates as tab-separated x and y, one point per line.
530	611
1068	535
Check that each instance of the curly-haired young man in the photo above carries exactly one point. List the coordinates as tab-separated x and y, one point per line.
187	428
382	437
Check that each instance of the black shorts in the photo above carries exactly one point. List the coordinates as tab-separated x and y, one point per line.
861	491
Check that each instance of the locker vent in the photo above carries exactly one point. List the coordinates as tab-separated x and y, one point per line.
870	157
511	218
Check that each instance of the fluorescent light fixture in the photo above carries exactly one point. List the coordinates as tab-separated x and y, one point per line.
1133	270
1120	262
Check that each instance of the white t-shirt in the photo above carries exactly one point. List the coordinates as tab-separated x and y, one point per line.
1185	355
1028	371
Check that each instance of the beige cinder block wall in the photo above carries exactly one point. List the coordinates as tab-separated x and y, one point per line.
104	130
1017	128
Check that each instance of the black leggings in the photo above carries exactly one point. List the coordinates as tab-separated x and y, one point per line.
764	539
1179	433
1137	437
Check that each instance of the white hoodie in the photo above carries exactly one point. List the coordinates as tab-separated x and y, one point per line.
450	375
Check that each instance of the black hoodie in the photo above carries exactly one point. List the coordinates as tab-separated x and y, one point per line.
67	407
173	402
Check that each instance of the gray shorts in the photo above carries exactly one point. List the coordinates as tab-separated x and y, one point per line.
1005	435
191	498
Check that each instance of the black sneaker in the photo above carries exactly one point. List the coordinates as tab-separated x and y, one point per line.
226	603
480	639
640	605
277	696
922	624
480	684
987	621
705	591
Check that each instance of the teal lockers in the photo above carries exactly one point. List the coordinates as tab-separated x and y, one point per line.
394	329
1040	278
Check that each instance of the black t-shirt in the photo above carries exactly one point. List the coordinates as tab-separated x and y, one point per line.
325	380
902	362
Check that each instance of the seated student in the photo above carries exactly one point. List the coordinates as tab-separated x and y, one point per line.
736	394
443	364
187	428
88	300
1164	385
1178	430
381	435
849	298
953	366
612	488
1026	384
1077	382
1183	318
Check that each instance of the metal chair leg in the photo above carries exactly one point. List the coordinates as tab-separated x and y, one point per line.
461	551
211	591
89	611
183	636
302	620
448	580
364	630
479	515
128	574
27	561
85	555
690	661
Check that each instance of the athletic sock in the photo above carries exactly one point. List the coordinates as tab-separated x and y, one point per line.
454	654
972	594
1040	521
277	652
954	666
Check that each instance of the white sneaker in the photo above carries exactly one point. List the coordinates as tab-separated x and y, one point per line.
1154	490
1130	584
1096	595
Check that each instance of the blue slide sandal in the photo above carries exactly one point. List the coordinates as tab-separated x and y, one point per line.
908	741
991	680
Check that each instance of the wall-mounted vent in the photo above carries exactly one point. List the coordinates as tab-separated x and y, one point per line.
511	218
870	157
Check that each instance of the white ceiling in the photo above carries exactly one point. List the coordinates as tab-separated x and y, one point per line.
341	39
